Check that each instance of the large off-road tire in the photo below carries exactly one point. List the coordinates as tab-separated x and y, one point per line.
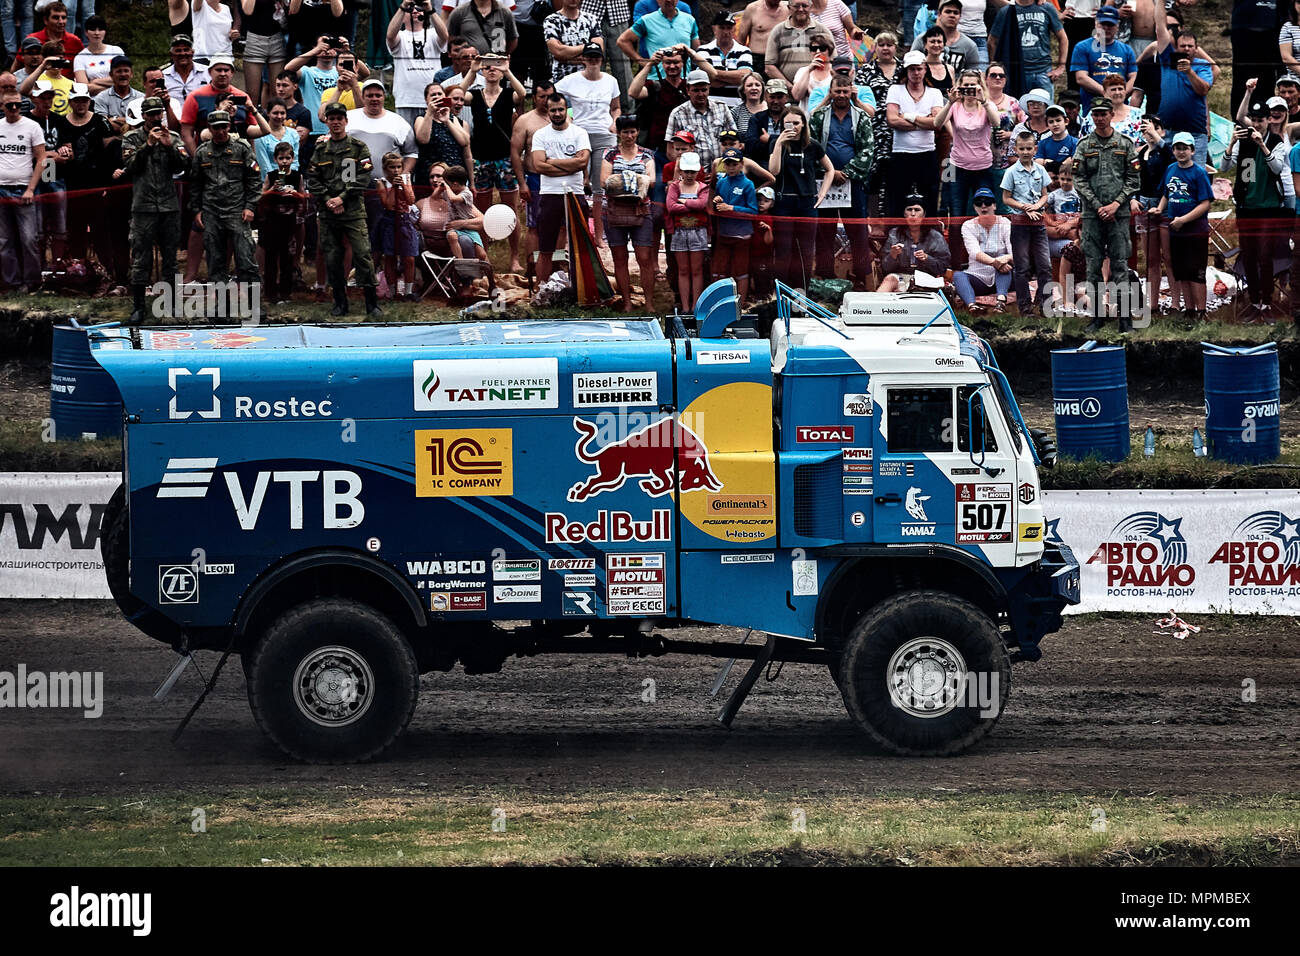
925	674
115	551
333	681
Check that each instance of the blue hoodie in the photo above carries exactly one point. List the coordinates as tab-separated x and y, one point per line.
736	191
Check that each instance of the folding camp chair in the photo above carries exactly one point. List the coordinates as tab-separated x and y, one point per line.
451	277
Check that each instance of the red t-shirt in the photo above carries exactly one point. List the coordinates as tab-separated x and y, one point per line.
71	46
203	101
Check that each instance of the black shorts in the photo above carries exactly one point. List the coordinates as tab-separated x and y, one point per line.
550	220
1188	255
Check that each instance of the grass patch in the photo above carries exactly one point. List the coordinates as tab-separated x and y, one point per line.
354	827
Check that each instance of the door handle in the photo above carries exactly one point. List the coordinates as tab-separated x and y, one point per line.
888	500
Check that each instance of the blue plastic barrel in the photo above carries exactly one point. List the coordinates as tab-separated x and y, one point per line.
84	401
1243	421
1090	396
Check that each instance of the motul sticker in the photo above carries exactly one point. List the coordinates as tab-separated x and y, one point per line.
823	433
634	583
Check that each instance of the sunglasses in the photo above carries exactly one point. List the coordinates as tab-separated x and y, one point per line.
820	49
984	203
997	76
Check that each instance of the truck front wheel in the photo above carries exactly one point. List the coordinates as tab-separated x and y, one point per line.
925	674
333	681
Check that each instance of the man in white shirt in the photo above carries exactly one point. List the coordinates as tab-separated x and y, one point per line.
561	153
184	76
383	131
416	39
22	159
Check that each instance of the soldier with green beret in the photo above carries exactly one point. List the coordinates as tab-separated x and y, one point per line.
338	176
151	156
1106	177
226	187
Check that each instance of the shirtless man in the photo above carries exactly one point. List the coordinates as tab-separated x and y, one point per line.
757	22
521	149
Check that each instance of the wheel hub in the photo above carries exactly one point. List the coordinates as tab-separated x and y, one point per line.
333	686
926	677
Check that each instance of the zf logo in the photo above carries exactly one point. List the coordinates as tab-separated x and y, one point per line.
463	462
177	584
174	413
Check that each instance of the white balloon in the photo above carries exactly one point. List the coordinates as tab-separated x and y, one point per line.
499	221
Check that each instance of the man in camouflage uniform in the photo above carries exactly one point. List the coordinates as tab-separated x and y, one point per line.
151	155
226	185
1106	178
337	177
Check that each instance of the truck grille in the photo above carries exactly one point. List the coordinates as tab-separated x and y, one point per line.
818	500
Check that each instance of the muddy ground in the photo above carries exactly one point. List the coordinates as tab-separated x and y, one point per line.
1110	708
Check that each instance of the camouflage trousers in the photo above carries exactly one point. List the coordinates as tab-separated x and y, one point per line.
1105	240
149	229
332	233
223	232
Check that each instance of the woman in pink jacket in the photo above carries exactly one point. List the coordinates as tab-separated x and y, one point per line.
688	207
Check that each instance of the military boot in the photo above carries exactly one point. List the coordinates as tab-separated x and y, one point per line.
138	307
340	302
372	301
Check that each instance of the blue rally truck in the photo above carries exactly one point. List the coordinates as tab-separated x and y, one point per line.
346	508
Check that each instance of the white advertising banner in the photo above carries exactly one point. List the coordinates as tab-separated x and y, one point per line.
49	534
1202	551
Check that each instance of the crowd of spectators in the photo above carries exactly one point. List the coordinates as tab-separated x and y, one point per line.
1003	148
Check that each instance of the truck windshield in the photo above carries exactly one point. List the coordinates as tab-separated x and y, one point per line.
1004	402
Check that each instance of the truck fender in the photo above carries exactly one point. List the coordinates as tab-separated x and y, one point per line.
266	585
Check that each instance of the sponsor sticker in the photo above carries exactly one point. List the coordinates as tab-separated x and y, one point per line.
823	433
578	603
177	584
217	568
857	454
475	385
804	577
983	513
858	404
580	580
571	564
741	504
455	462
634	583
858	519
731	357
449	601
615	388
762	557
516	593
1031	532
609	527
1027	493
508	569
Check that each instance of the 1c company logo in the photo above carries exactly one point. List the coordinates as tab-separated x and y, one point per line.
463	462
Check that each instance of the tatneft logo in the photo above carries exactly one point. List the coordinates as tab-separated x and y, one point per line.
76	909
468	385
472	461
73	690
209	403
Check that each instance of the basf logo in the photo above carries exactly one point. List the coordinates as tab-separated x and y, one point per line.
1146	556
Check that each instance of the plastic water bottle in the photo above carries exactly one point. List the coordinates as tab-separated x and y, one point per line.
1198	446
1149	443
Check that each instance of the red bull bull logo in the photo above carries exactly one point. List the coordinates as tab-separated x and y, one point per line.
651	454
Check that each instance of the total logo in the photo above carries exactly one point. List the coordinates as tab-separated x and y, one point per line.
1262	555
649	454
1145	556
339	492
192	397
823	433
1084	407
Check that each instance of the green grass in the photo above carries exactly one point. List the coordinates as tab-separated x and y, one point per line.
276	827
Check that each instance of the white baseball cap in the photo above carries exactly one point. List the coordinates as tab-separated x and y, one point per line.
913	58
697	76
689	162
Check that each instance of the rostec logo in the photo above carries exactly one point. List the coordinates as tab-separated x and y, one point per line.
1146	557
186	478
174	413
647	454
177	584
1262	555
470	385
455	462
823	433
1085	407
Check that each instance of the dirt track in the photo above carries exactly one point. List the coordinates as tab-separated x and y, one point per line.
1111	707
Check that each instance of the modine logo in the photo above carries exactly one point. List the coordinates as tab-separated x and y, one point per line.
469	385
1262	555
1146	556
1086	407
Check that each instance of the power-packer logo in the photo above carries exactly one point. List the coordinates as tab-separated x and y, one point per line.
1146	556
1262	555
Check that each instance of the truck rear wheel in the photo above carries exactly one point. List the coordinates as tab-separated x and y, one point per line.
333	681
925	673
114	550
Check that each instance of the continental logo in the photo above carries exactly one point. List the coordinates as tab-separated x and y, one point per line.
741	504
468	462
1031	532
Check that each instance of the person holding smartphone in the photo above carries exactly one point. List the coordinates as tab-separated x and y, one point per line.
971	119
796	161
